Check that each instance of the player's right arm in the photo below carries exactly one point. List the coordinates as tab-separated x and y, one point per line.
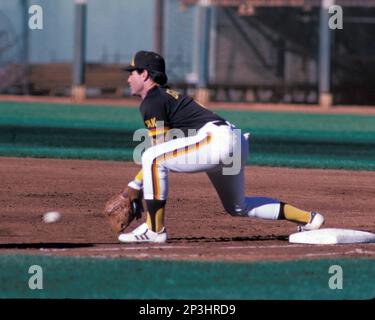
155	117
157	135
156	121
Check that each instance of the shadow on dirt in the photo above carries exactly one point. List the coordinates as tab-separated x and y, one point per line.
47	245
230	239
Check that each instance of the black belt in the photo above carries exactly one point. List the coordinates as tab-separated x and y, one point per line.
220	123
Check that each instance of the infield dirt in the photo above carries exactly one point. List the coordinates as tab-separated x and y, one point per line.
198	227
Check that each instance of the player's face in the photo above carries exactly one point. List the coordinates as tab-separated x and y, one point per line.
136	83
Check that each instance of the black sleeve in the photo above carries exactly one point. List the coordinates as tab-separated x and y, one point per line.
155	116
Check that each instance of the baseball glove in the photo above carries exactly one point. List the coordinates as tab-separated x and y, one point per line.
123	208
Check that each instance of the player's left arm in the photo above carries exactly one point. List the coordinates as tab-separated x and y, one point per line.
137	182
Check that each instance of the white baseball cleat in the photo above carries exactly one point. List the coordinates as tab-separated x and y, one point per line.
143	234
316	221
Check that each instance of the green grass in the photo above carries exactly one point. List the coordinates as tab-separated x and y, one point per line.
106	132
97	278
339	127
69	116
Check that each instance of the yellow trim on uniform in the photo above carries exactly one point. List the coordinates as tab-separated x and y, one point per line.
201	105
172	93
185	150
155	180
139	176
173	154
157	131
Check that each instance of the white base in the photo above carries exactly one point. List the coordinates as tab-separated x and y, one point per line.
332	236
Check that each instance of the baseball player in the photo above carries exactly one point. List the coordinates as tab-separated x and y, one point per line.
201	141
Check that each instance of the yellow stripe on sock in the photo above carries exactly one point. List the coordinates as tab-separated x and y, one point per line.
149	220
159	220
297	215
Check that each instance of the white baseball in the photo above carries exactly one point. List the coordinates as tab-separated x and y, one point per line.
51	217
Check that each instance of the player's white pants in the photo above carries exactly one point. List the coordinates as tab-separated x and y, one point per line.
221	151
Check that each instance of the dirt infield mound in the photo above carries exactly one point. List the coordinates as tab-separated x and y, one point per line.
198	227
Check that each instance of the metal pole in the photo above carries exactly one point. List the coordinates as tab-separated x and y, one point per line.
26	47
212	44
78	90
325	96
203	45
203	49
158	30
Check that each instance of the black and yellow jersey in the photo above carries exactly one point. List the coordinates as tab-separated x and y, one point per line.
174	110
